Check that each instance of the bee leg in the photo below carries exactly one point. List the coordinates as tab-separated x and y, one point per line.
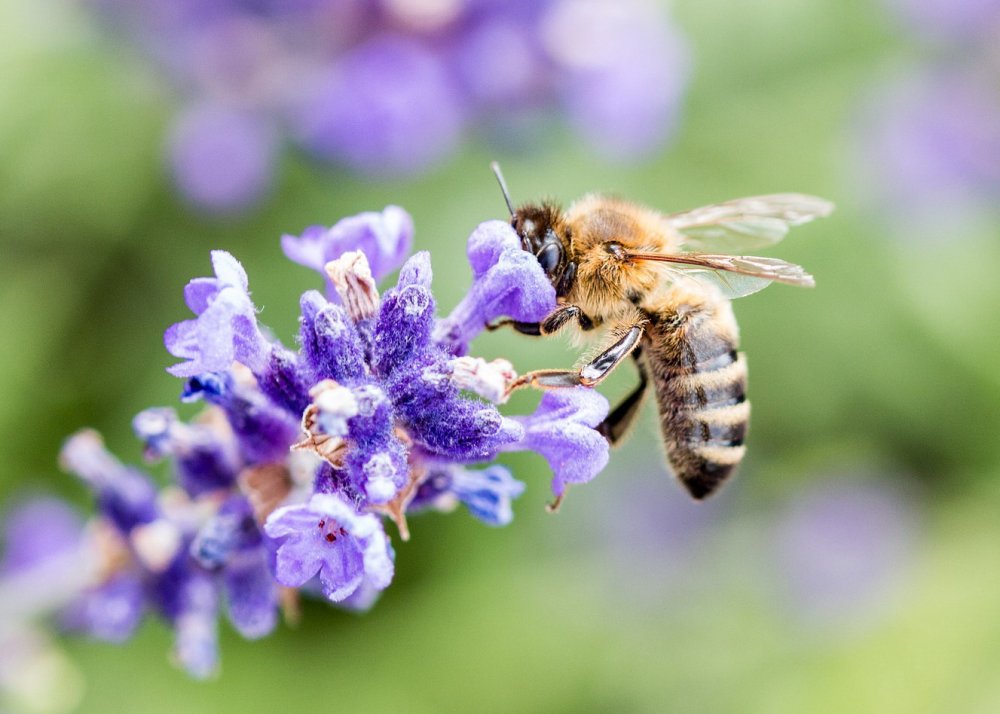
561	315
590	376
620	419
525	328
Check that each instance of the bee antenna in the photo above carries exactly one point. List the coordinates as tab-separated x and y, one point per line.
503	186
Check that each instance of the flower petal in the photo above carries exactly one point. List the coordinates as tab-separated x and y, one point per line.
507	282
562	431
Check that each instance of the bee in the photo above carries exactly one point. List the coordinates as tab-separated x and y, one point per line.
652	283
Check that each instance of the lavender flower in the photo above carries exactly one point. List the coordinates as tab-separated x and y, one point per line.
392	87
286	476
225	328
384	238
950	20
222	157
563	431
487	493
387	106
843	548
932	142
505	282
328	537
928	136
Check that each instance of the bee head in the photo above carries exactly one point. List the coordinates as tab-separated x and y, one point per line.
543	234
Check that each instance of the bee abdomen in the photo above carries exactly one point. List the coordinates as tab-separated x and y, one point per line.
705	416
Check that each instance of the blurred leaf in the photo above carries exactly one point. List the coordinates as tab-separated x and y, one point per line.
81	148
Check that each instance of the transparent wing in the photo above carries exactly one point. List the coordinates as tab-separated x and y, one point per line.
735	275
746	223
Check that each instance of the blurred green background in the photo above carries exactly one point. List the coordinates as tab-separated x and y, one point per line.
853	566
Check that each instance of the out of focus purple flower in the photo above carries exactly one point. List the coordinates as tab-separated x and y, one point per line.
625	69
38	531
931	143
388	106
222	159
391	88
952	20
842	547
928	137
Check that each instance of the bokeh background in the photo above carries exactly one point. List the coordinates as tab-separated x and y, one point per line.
853	565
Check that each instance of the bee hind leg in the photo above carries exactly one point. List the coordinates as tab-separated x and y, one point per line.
617	423
590	376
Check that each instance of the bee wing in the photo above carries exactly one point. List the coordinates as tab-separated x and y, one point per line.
746	223
735	275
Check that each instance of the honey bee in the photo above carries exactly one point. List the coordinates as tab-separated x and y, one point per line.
650	281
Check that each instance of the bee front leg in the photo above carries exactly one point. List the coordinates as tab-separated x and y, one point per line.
556	320
525	328
590	376
561	315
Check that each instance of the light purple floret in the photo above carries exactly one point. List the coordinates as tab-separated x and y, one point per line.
385	238
562	430
506	282
328	537
225	329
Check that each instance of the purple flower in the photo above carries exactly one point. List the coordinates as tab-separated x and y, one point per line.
388	106
842	547
327	537
222	158
960	20
125	496
231	543
44	529
203	459
562	430
506	282
46	560
385	239
389	88
225	328
934	138
405	384
195	601
263	430
111	611
487	493
625	71
366	420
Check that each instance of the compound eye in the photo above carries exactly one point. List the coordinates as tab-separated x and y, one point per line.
549	257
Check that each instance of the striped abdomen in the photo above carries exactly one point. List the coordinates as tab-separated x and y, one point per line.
700	381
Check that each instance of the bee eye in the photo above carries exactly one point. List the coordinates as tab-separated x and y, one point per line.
549	257
616	249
